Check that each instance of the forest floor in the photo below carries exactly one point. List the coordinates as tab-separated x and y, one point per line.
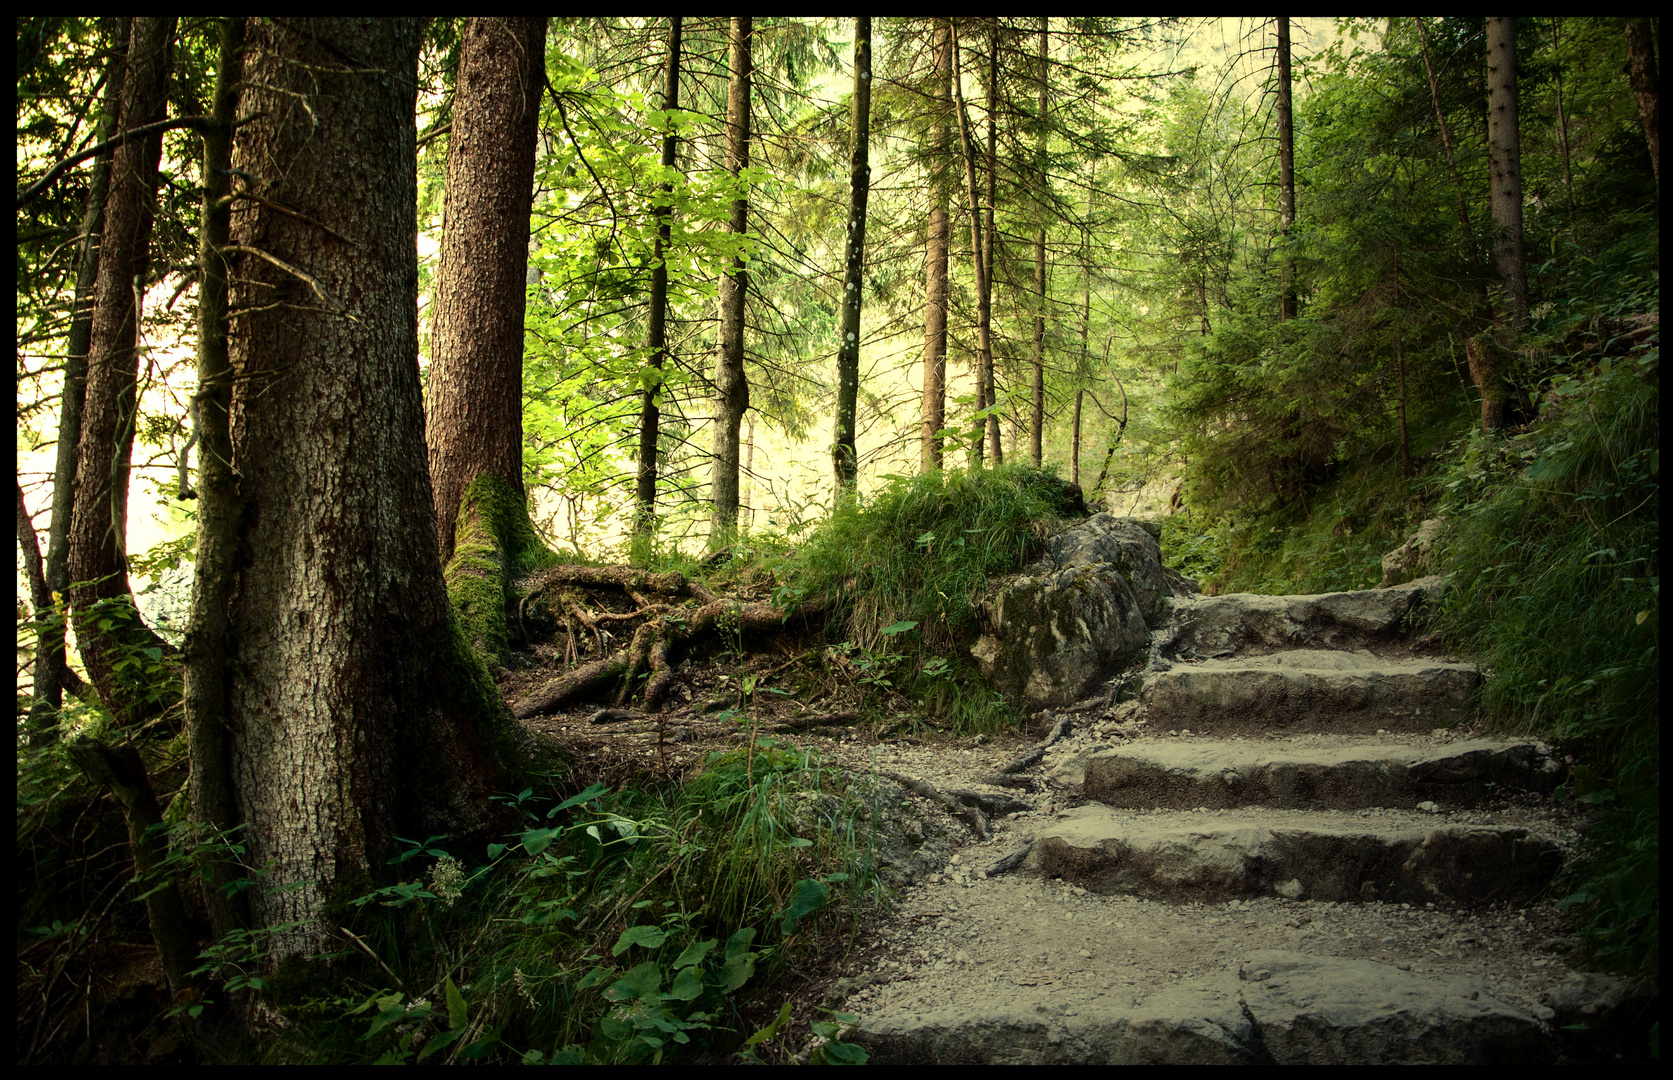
966	913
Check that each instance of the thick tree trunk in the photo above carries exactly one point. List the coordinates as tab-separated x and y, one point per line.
356	711
474	396
844	457
97	549
1504	148
656	334
1286	176
935	261
1646	87
731	383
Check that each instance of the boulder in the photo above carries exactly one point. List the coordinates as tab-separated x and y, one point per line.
1081	612
1414	558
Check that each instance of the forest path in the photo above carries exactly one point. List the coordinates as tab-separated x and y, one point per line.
1272	855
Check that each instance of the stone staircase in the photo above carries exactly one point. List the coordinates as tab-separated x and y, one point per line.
1269	847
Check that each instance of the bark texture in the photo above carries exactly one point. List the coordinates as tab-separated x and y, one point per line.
935	260
356	709
1504	148
474	399
844	456
220	510
731	382
97	557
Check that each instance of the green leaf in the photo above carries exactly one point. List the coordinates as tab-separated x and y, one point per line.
576	800
651	937
537	840
688	985
694	953
809	896
897	628
738	944
841	1053
441	1041
457	1016
771	1030
643	983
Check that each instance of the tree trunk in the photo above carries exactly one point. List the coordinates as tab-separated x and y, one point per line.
1504	148
1286	176
356	712
1646	87
1036	434
97	549
656	334
474	400
984	264
983	344
474	404
53	675
935	260
845	459
731	382
209	644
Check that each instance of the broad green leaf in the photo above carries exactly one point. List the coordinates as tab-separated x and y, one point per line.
643	983
809	896
694	953
650	937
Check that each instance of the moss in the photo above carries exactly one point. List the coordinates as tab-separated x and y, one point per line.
493	542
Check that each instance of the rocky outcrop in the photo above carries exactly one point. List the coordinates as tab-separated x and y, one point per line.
1415	557
1084	610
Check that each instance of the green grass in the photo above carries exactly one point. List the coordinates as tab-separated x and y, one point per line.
1555	561
921	551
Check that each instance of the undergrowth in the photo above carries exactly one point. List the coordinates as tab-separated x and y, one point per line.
1555	560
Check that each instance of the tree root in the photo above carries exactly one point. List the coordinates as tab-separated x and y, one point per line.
653	644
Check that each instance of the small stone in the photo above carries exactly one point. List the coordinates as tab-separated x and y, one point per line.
1403	965
1389	939
1429	807
1260	976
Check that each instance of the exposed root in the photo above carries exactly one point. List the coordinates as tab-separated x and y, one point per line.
662	628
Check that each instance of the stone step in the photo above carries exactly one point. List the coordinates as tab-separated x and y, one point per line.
1249	623
1326	855
1276	1007
1215	774
1311	690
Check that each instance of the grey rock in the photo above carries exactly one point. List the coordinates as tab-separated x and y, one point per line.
1252	624
1316	1010
1223	774
1311	690
1177	856
1198	1025
1415	557
1051	638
